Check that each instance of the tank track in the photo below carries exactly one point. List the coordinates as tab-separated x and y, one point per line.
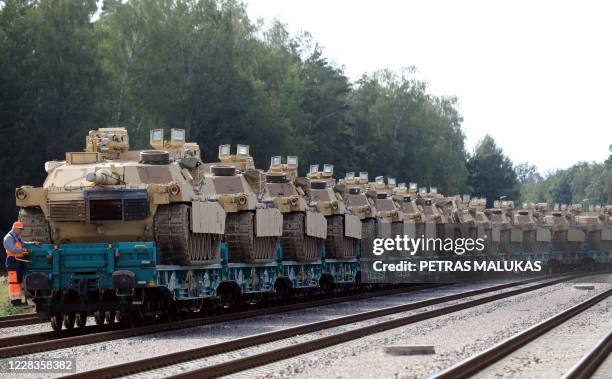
176	242
242	243
368	233
36	225
296	244
530	244
596	243
559	240
337	245
507	246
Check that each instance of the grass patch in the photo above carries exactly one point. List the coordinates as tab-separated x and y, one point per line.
6	308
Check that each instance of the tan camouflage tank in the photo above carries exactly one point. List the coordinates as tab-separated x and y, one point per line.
510	236
536	238
304	228
343	229
109	193
564	236
362	205
252	230
592	222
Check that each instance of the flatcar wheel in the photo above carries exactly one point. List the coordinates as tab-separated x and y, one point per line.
124	319
99	317
69	319
81	319
109	317
56	322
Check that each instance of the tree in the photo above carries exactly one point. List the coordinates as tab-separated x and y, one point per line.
490	172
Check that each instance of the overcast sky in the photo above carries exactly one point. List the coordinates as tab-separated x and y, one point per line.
535	75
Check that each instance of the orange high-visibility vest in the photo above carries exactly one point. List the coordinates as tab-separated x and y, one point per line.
17	256
15	290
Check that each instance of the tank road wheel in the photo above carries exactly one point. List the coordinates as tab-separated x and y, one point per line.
36	226
81	319
99	317
172	233
69	319
297	245
56	322
109	317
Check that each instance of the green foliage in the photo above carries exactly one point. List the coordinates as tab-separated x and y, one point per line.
67	67
592	181
491	174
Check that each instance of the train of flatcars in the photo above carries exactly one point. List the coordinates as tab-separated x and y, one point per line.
159	233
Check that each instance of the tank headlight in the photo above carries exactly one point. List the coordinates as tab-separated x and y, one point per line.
391	182
328	168
276	161
363	176
368	210
174	189
380	180
314	168
334	205
349	176
294	200
21	194
242	200
402	186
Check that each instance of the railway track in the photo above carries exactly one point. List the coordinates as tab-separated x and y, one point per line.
19	320
488	357
591	361
45	341
257	360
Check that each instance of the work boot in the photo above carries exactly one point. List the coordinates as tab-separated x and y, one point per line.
16	303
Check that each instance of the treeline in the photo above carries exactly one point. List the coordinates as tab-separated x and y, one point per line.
583	181
67	67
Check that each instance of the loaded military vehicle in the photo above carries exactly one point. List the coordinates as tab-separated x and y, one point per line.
361	205
304	228
343	228
252	230
108	193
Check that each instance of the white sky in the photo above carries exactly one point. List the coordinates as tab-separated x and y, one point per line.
536	75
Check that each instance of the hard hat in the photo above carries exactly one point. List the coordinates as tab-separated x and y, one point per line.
18	225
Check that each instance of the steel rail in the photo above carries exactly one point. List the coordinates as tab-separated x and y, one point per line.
589	363
45	341
476	363
290	351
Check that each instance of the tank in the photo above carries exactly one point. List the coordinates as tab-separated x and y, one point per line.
510	236
361	205
109	193
415	222
252	229
479	213
343	229
591	221
564	236
536	238
304	228
390	216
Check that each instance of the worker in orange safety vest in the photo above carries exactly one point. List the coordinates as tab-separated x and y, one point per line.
16	255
